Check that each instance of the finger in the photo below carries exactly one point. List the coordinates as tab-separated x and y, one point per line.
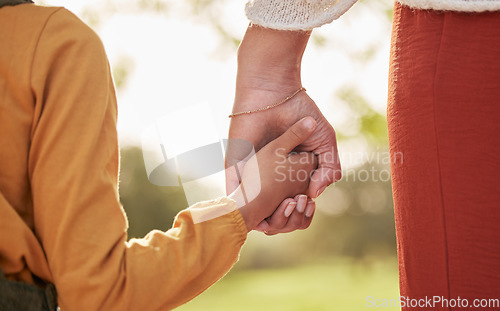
328	172
280	216
295	135
310	209
305	160
263	226
295	221
298	220
307	222
301	202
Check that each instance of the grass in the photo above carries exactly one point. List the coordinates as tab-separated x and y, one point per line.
337	285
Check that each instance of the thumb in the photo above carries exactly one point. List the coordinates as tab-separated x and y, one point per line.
296	134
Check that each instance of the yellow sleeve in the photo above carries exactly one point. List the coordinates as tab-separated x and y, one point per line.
73	169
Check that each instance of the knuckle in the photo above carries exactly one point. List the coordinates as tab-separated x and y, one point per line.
296	222
278	223
337	175
305	225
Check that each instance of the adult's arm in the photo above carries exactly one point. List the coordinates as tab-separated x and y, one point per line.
269	65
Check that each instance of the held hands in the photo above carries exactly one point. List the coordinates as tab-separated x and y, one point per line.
260	128
272	175
269	65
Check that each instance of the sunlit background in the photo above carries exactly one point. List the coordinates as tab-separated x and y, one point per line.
168	54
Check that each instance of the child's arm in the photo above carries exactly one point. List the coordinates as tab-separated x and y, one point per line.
79	223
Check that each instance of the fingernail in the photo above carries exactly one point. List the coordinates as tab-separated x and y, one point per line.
301	203
289	208
262	226
310	209
320	191
308	123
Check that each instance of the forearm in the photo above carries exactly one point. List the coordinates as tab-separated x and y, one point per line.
167	269
159	272
270	54
270	60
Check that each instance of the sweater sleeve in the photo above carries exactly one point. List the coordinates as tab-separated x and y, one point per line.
295	14
73	168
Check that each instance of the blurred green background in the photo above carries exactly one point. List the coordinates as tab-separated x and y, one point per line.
349	252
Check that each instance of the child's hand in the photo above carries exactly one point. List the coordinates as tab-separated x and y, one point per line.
274	174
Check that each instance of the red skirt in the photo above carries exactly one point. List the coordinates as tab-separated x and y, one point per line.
444	133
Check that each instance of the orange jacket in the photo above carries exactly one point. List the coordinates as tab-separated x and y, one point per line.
60	217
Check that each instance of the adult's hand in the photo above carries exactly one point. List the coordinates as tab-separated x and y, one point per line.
268	71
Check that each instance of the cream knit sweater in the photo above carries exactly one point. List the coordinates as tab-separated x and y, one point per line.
308	14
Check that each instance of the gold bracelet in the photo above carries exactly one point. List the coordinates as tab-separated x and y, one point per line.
270	106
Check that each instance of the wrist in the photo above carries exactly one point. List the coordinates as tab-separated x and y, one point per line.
246	209
247	215
270	47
